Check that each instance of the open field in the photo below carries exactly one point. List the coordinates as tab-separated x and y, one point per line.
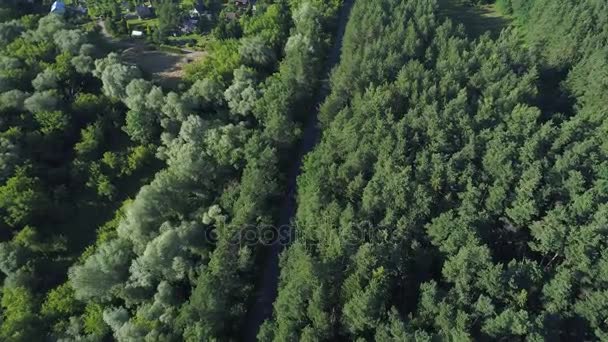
165	67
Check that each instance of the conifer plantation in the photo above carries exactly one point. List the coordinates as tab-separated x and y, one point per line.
304	170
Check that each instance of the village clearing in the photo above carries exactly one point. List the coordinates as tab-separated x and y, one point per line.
165	67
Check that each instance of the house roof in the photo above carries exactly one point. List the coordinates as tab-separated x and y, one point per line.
143	11
199	6
58	7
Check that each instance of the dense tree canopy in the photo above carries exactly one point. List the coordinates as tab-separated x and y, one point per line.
153	272
441	202
55	127
458	190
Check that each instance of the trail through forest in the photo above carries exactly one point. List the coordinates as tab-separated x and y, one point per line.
266	290
477	20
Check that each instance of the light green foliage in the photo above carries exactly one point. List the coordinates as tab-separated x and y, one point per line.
42	101
48	26
93	320
145	101
60	302
222	174
46	80
115	75
22	199
83	64
102	272
86	104
13	99
255	52
224	58
90	141
52	121
51	105
242	94
19	319
205	93
69	41
270	27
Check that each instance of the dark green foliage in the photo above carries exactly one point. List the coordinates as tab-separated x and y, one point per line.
168	18
440	203
22	199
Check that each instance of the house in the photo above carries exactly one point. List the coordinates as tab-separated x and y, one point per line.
137	34
144	12
58	7
241	2
231	16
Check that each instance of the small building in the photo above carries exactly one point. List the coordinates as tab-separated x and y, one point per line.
144	12
241	2
58	7
231	16
137	34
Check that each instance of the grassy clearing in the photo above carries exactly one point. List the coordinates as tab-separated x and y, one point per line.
137	23
476	19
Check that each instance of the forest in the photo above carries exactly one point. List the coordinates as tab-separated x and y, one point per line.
330	170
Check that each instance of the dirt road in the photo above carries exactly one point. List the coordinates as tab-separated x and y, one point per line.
268	283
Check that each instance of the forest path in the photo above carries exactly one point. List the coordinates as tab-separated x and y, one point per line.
477	20
267	286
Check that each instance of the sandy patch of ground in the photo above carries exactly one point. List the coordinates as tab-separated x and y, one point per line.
167	68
